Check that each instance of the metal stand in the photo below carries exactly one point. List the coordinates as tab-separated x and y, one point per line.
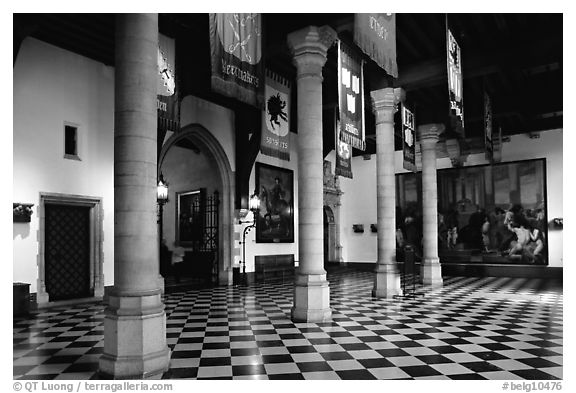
244	233
408	273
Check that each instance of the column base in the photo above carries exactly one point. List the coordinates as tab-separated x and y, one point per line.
386	281
431	272
311	298
134	337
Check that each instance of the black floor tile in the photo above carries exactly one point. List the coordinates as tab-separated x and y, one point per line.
308	367
420	371
284	377
355	374
268	359
253	369
481	367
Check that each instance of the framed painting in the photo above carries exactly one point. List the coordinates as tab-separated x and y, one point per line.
190	217
275	220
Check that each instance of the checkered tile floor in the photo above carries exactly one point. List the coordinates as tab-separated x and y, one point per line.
472	328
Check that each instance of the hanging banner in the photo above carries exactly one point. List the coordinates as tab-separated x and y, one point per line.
275	117
236	55
375	34
351	97
167	102
408	139
488	140
343	165
455	89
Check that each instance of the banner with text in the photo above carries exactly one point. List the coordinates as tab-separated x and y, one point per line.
408	139
167	102
275	140
488	140
343	165
375	34
236	55
455	89
351	97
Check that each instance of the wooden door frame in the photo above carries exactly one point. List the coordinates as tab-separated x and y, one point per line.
95	246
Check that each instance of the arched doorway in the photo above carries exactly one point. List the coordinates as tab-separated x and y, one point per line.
329	237
195	166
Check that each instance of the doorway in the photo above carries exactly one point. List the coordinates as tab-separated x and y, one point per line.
67	251
200	193
70	257
329	237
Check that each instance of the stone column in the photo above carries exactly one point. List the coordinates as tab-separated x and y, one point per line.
431	271
387	279
135	320
311	290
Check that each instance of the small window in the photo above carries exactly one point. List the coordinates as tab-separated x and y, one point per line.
71	142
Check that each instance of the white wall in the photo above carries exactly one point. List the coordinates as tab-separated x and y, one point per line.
53	86
359	199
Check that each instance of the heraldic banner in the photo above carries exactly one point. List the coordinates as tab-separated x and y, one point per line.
275	117
375	34
167	103
455	89
351	97
236	55
408	139
343	153
488	142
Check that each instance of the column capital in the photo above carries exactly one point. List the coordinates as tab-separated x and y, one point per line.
385	103
309	47
430	132
387	98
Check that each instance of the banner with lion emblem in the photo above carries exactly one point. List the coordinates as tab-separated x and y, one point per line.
236	55
275	117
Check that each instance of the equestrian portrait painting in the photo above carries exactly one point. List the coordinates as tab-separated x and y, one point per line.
276	216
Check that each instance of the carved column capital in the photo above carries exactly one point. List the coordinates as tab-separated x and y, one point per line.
385	103
429	134
309	46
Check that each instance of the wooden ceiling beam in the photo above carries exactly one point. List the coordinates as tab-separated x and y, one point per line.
475	64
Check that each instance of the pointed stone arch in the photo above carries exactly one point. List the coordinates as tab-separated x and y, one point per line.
206	141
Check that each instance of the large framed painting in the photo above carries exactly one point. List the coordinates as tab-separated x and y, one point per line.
498	213
276	216
190	217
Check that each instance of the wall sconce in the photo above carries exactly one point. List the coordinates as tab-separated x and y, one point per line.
373	228
21	212
358	228
557	223
162	190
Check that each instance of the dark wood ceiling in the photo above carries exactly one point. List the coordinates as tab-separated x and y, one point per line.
517	58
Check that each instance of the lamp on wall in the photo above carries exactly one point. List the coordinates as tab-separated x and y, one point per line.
162	191
254	206
162	198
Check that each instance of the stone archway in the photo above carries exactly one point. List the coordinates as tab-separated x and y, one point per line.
201	137
332	194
